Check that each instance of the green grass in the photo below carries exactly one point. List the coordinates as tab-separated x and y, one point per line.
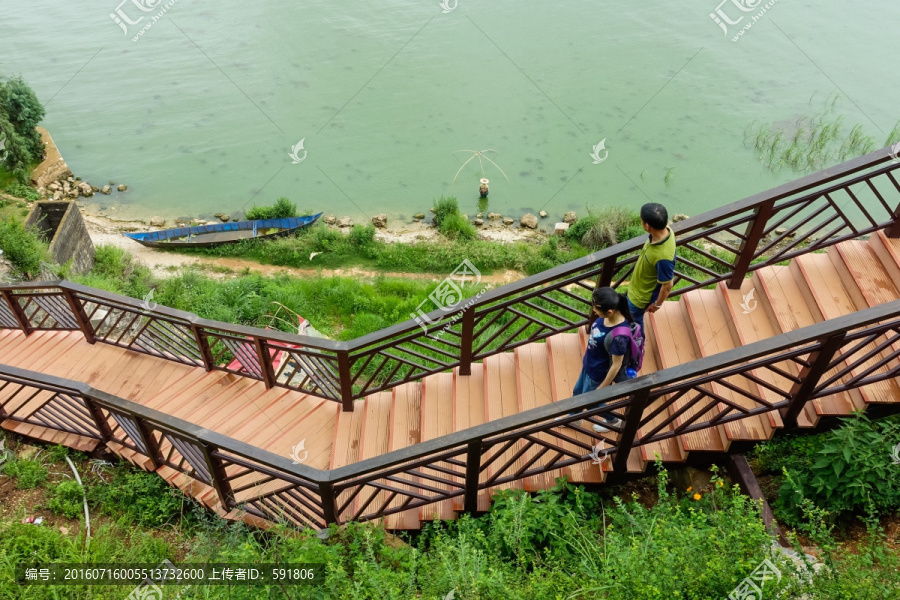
22	247
812	142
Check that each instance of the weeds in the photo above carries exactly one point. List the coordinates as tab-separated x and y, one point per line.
282	209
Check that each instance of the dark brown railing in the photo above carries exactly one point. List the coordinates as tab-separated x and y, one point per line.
848	201
859	350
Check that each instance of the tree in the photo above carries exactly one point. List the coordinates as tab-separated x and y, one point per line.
20	113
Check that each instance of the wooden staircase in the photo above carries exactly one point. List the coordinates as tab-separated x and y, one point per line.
850	276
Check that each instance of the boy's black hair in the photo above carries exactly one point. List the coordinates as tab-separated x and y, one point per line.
655	215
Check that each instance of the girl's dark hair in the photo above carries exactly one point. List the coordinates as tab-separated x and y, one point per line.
606	298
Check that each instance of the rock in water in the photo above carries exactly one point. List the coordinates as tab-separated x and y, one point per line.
570	217
479	222
419	216
380	221
157	222
543	214
494	216
329	220
679	217
530	221
508	221
105	190
344	222
225	218
560	228
122	187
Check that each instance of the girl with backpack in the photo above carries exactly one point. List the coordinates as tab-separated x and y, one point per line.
614	349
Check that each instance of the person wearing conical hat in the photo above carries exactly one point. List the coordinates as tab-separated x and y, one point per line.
483	190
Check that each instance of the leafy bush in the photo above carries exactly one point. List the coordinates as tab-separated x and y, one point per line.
23	191
456	226
66	499
29	473
143	498
363	238
444	208
20	113
22	247
282	209
605	227
853	468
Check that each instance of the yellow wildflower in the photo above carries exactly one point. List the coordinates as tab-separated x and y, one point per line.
690	488
697	496
720	483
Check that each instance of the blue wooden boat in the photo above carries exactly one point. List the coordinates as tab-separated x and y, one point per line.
204	236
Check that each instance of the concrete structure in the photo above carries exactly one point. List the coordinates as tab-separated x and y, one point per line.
53	168
61	224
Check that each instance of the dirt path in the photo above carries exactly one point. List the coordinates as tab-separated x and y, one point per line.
167	264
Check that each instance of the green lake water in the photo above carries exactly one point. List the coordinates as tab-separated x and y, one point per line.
200	114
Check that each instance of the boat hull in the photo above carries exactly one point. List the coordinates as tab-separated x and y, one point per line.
206	236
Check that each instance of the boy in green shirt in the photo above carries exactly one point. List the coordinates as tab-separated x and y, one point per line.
654	272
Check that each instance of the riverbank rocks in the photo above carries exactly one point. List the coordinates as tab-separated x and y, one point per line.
508	221
679	217
494	216
418	216
106	190
54	186
122	187
85	189
380	221
560	228
157	222
329	220
543	214
570	217
344	222
479	222
530	221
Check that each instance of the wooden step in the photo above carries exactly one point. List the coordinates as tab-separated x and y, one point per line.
468	411
669	450
834	298
752	321
534	385
565	352
858	261
711	323
677	345
437	395
52	436
501	400
793	307
374	441
888	252
406	423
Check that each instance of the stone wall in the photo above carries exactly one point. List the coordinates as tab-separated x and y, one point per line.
53	168
63	227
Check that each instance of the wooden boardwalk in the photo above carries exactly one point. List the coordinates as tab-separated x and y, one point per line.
850	276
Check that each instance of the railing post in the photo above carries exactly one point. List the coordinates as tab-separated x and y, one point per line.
754	233
343	357
203	346
102	424
633	415
893	230
473	473
219	478
467	342
607	271
78	311
265	362
809	378
329	502
149	443
17	311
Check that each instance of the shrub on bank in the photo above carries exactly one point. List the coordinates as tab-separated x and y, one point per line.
282	209
22	247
